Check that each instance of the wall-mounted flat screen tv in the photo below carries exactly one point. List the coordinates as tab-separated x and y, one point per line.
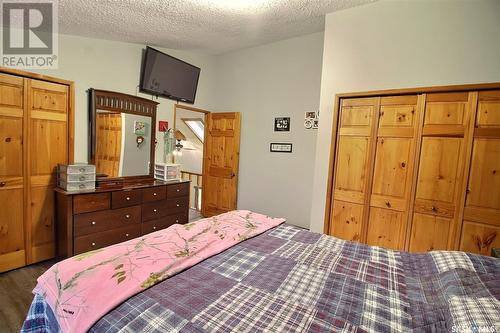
167	76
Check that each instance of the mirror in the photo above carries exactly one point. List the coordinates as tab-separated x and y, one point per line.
123	135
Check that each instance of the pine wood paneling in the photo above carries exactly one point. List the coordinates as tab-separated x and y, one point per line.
479	238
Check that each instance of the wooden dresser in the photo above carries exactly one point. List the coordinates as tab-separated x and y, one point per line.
106	216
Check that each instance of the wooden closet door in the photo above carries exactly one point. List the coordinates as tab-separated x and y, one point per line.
352	168
481	225
12	248
393	171
441	171
48	146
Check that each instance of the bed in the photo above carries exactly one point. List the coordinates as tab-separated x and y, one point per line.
275	277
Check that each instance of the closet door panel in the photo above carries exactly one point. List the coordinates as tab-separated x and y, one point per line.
429	233
351	166
479	238
437	176
391	166
12	250
484	180
48	146
12	247
481	225
386	228
441	174
347	220
393	171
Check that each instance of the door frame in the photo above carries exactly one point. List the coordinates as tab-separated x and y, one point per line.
205	115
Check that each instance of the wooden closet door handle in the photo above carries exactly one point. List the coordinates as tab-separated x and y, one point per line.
2	184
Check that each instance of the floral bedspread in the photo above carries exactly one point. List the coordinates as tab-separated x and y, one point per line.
82	289
288	279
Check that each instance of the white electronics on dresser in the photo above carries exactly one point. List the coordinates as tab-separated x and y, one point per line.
167	171
76	177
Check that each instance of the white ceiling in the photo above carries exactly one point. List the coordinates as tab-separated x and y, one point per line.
210	26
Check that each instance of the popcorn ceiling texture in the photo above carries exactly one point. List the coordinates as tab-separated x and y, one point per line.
209	26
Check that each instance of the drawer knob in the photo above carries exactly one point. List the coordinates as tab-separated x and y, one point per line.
127	198
82	169
178	190
154	228
154	194
93	223
155	210
176	221
82	178
93	244
126	235
178	205
127	216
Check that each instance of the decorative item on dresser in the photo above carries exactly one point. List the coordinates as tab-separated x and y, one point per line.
94	219
36	133
417	169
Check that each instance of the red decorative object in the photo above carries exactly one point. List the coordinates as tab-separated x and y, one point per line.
162	126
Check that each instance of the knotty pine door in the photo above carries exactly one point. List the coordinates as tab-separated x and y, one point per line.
34	123
393	171
481	223
353	165
441	174
47	146
12	184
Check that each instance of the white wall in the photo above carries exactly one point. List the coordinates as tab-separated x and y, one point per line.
110	65
398	44
278	79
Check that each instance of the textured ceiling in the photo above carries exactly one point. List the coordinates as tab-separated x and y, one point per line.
210	26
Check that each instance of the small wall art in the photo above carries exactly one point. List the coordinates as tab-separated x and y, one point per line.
282	124
311	120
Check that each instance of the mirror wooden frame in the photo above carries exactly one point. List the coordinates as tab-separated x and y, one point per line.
119	102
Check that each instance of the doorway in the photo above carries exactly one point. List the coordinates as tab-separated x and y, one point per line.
189	127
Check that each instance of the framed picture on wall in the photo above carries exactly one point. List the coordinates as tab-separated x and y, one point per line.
282	124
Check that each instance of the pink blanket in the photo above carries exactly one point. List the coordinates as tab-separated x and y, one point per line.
82	289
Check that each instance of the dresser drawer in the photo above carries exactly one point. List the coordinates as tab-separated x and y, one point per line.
177	205
179	218
106	238
155	225
177	190
89	223
126	198
154	210
85	203
154	194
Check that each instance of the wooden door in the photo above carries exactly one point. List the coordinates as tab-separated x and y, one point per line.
481	226
12	247
393	171
353	165
441	171
109	143
220	163
47	120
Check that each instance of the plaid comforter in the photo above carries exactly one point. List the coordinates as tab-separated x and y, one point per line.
292	280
